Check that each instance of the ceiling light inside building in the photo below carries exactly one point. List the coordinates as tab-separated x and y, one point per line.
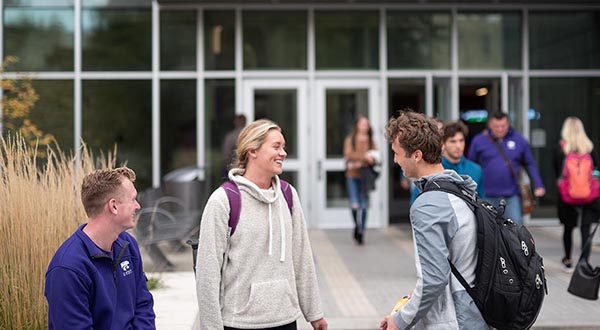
481	91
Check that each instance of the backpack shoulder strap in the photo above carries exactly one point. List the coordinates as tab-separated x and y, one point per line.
451	188
470	199
235	201
287	194
235	204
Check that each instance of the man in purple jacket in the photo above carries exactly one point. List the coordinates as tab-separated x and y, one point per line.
501	182
96	279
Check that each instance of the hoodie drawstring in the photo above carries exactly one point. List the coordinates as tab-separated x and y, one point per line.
282	226
270	232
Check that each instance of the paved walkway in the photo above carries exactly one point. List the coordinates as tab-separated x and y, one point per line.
359	284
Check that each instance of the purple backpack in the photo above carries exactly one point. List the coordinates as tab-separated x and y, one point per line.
235	201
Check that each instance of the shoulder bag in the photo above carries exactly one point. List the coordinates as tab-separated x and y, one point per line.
586	279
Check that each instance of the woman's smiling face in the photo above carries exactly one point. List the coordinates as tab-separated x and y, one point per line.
271	154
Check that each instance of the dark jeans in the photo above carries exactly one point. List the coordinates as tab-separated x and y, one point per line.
291	326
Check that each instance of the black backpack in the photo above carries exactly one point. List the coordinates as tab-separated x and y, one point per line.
510	283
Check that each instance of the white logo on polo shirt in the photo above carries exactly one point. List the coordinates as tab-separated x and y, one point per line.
126	268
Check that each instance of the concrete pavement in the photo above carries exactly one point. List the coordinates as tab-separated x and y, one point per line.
359	284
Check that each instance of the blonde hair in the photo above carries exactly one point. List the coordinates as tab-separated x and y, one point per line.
574	137
101	185
251	138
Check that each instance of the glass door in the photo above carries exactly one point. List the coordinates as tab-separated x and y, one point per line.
338	104
284	102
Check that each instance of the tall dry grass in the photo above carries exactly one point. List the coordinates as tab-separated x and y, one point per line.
39	208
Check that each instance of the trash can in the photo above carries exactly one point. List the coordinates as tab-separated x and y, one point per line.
186	185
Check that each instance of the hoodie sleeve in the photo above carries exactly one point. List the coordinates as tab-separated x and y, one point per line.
431	218
211	247
304	266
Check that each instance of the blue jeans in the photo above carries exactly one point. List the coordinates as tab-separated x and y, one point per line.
513	206
357	199
359	202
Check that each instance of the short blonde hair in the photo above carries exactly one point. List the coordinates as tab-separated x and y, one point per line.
251	138
574	137
101	185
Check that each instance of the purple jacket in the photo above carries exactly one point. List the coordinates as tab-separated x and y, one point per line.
499	180
88	288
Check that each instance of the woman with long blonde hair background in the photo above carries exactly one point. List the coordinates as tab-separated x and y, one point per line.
574	140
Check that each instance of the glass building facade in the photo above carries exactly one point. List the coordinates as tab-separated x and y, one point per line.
164	79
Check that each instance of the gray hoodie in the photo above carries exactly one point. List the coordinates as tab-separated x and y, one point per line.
443	227
269	278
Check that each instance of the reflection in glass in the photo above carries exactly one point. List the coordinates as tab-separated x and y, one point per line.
280	106
418	40
406	93
553	100
219	112
275	39
347	40
337	196
116	39
53	112
343	107
219	40
39	3
515	104
441	99
177	124
478	97
115	3
564	40
489	41
119	112
178	40
42	39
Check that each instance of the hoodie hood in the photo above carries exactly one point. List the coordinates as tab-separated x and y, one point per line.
464	181
271	197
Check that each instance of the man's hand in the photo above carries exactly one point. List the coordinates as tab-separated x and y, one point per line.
539	192
319	324
388	323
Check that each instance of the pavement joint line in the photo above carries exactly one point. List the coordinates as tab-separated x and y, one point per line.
347	292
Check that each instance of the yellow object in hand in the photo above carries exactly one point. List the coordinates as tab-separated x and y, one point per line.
399	304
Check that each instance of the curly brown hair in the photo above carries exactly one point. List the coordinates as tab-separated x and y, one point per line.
415	131
101	185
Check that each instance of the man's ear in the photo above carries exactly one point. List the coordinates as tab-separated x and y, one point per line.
417	155
112	206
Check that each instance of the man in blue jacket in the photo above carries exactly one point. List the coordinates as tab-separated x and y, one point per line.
501	152
96	278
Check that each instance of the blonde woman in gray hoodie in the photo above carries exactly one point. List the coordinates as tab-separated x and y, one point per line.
263	277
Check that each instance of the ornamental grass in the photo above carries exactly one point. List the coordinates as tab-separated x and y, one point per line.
40	207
